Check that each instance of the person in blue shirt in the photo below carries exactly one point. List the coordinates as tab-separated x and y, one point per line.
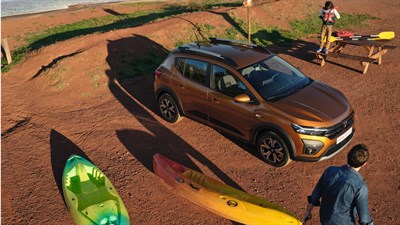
343	192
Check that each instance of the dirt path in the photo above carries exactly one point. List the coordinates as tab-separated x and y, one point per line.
64	99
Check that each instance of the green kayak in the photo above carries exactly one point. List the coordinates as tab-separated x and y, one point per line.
90	196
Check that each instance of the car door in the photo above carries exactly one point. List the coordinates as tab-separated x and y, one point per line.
223	112
190	85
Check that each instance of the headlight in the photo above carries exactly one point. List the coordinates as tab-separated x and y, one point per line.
315	131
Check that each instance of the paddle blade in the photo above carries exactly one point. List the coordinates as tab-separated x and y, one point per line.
333	39
386	35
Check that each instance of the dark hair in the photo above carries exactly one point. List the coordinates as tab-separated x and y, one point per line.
358	156
328	5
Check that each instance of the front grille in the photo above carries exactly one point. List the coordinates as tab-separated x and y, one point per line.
334	148
333	131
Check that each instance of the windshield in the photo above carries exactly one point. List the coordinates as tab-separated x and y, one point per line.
274	78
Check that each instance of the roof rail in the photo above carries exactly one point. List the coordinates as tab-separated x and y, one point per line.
208	53
200	51
237	42
231	42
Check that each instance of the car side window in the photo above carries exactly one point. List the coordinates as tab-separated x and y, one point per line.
180	64
192	69
225	82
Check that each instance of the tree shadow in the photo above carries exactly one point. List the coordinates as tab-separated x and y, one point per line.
113	12
61	148
136	95
229	19
44	68
271	37
197	28
274	39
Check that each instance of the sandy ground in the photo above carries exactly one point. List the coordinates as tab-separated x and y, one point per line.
64	100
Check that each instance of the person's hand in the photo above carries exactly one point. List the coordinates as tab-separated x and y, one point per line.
307	217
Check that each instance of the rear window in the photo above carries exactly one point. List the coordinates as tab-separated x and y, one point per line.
192	69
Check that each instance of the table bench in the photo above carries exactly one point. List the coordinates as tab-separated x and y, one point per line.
373	56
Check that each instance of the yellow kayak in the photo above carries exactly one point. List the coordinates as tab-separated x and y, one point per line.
220	198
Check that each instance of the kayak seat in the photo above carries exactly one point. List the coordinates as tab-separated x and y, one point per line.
195	176
91	189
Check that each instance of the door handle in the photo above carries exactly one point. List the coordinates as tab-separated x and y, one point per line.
181	86
211	99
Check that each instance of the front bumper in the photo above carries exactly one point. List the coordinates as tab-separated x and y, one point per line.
329	152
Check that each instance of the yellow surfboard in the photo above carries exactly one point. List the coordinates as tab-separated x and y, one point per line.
220	198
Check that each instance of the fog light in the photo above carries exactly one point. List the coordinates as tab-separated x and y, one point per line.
312	147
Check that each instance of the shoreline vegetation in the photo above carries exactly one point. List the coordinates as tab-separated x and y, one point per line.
73	7
261	35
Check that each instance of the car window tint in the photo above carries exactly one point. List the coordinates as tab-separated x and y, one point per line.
180	64
223	81
273	78
196	70
278	66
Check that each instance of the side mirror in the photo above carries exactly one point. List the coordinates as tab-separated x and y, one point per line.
242	98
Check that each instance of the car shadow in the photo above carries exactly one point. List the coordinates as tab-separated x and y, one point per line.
61	148
136	95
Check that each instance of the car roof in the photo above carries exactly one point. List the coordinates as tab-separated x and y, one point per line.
238	54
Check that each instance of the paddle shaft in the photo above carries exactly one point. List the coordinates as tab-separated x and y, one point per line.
381	35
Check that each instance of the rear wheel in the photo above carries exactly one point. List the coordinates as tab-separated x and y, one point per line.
169	108
273	149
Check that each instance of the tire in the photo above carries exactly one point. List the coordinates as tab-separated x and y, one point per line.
169	110
273	149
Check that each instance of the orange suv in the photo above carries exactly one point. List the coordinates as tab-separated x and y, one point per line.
248	92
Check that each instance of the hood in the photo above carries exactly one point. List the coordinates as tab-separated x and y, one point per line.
317	102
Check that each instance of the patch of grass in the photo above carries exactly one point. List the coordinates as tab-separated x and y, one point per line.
17	56
271	36
307	26
56	76
193	6
197	32
205	29
95	76
141	3
18	38
232	33
303	28
179	43
299	28
312	24
105	24
351	21
145	65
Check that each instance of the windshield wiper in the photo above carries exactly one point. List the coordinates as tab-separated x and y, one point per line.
275	97
291	91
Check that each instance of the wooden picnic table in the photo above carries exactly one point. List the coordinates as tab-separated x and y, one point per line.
375	49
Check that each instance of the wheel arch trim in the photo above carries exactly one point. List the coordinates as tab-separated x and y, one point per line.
169	91
272	127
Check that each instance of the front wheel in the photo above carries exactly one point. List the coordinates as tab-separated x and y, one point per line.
169	109
272	149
